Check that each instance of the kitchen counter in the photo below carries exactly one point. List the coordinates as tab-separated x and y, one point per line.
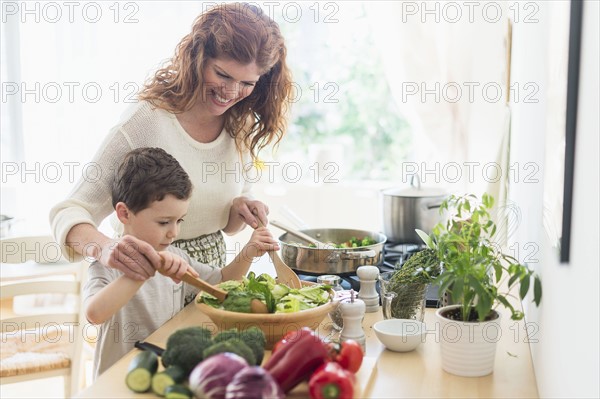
393	375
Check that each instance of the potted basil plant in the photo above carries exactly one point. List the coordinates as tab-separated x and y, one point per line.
477	276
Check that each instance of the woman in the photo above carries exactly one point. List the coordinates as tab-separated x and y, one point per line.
220	100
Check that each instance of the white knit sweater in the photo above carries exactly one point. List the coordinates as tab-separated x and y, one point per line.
215	169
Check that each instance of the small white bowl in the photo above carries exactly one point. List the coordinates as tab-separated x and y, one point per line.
400	335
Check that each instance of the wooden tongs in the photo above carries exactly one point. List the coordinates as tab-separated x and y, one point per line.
256	305
285	274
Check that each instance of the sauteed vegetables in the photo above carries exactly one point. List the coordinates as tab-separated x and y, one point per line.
351	243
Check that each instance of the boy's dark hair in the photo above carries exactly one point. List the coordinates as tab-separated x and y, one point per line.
147	175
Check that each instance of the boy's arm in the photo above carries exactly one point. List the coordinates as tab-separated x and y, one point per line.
260	242
110	299
238	267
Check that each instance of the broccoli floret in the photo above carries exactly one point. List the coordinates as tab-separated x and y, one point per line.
233	345
254	337
227	335
185	347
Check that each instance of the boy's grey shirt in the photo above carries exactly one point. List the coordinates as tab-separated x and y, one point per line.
157	301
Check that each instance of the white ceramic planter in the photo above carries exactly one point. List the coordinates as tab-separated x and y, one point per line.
468	349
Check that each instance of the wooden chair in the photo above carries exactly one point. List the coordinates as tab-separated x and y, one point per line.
43	339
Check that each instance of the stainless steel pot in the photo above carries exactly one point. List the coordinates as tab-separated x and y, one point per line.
407	209
302	258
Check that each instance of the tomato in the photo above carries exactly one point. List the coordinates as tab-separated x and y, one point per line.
348	354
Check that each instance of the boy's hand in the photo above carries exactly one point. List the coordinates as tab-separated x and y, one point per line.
260	242
174	266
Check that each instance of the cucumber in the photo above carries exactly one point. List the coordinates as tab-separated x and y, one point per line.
178	391
170	376
141	369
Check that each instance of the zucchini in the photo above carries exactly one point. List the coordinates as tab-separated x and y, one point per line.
170	376
141	369
178	391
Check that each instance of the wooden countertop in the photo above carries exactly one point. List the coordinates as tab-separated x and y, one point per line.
393	375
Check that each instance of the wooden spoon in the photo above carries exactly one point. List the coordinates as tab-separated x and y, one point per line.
256	305
299	234
285	274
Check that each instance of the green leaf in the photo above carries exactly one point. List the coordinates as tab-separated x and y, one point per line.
488	200
537	291
426	239
497	271
513	278
457	290
255	286
481	311
505	302
524	287
517	315
447	281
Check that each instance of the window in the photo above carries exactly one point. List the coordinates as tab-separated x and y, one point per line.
344	121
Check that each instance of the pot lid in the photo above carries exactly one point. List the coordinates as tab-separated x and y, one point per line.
415	190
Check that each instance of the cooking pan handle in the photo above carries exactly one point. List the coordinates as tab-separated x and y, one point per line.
293	217
435	203
358	255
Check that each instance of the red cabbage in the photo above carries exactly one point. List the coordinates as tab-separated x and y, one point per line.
209	378
254	383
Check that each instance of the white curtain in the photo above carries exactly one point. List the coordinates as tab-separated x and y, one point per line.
448	75
68	72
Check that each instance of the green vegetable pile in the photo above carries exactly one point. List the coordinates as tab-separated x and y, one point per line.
279	298
351	243
410	282
185	349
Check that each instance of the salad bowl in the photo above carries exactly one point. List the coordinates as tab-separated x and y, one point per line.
273	325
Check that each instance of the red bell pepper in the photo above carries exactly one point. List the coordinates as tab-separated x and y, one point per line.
296	359
291	336
331	381
348	354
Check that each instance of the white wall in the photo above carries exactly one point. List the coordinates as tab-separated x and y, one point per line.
566	354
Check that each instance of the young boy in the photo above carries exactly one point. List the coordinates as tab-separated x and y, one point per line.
150	195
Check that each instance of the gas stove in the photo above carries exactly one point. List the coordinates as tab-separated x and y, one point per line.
394	256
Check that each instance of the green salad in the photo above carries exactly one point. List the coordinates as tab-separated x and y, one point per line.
279	298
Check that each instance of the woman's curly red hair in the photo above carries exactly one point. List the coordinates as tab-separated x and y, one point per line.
241	32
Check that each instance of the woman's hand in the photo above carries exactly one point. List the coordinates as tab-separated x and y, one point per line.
246	211
134	257
260	242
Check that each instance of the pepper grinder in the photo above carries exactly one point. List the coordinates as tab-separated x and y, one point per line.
368	276
353	312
